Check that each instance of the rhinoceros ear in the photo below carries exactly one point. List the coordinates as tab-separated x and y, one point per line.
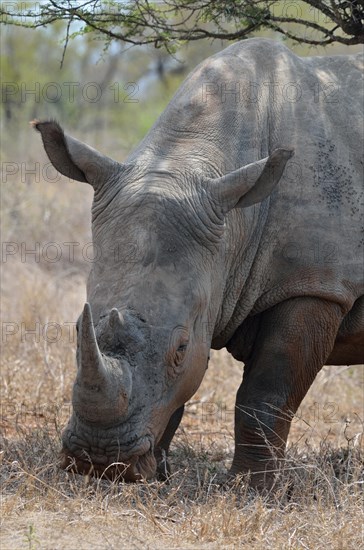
72	158
251	183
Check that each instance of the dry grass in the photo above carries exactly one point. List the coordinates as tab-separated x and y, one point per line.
44	507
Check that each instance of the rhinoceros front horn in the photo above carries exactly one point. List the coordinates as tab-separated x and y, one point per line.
91	364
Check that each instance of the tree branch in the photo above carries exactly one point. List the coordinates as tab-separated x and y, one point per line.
174	21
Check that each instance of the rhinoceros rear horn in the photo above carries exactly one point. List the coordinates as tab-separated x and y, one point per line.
251	183
72	158
116	320
91	364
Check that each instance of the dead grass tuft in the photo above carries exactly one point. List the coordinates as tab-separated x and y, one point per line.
319	497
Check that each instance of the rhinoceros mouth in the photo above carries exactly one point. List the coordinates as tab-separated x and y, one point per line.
138	465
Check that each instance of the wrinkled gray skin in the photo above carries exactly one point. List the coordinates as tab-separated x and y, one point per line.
212	234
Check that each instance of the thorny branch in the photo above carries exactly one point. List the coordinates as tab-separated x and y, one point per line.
170	23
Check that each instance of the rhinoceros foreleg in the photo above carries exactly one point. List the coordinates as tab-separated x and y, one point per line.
161	451
293	342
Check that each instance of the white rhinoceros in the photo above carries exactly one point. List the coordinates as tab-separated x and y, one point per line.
212	234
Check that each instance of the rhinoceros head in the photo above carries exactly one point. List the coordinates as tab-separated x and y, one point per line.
153	297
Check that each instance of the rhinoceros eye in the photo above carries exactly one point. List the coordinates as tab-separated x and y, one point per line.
177	347
181	352
183	347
